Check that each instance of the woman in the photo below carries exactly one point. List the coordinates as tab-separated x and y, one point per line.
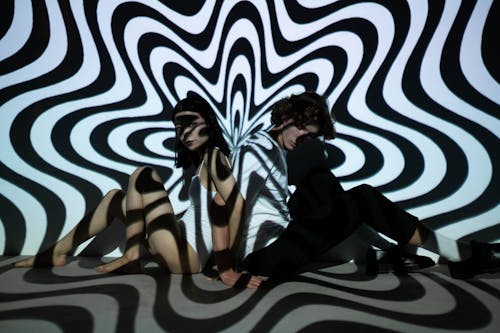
212	223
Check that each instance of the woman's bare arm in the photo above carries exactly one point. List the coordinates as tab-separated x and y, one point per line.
228	196
227	217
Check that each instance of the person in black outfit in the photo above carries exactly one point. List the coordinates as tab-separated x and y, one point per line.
322	213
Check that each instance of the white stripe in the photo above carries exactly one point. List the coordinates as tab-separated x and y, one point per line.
434	160
51	57
471	59
478	161
33	214
19	30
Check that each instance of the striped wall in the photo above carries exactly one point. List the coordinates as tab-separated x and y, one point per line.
87	89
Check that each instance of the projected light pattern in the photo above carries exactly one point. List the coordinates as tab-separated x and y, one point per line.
87	89
329	300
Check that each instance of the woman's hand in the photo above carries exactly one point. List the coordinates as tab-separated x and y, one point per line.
230	277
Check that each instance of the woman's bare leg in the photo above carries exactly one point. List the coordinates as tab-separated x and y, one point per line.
147	204
165	238
93	223
164	234
134	227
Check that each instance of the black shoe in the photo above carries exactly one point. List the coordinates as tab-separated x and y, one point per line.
394	260
485	258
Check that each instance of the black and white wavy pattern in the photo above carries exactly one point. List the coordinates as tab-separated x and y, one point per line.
87	88
75	298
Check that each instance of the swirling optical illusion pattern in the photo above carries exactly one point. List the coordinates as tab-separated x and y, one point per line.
86	93
75	298
87	89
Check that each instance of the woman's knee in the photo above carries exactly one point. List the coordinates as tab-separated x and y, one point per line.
115	193
139	171
115	201
146	179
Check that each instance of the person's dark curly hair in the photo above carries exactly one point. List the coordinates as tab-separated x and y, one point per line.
305	108
184	158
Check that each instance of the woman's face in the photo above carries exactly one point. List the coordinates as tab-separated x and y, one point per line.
292	136
192	130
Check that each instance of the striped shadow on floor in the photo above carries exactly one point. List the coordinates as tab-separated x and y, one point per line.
75	298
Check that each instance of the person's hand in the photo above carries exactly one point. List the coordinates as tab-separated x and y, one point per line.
230	278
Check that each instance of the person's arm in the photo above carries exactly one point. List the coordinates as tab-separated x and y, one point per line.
226	216
229	203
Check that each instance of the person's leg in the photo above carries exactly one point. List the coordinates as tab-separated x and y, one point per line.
94	222
134	227
284	257
418	238
150	215
164	234
324	215
386	217
316	227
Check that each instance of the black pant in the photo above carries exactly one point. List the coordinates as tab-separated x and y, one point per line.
323	215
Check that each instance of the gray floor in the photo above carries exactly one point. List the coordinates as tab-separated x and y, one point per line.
75	298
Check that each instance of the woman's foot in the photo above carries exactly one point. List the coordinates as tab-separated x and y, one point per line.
47	258
129	264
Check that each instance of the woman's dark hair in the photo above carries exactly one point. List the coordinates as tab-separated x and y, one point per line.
305	108
184	158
